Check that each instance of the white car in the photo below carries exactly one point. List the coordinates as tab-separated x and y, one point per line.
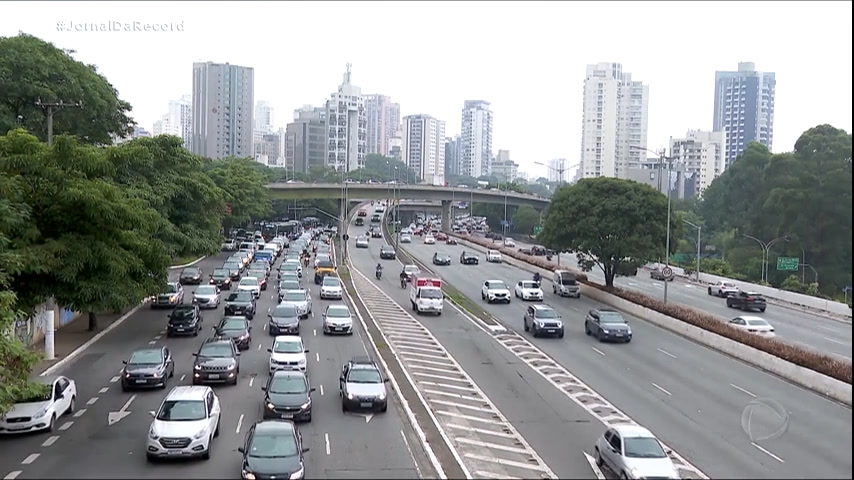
250	284
298	268
287	353
337	319
631	451
509	243
362	241
429	239
528	290
493	256
185	424
495	291
405	238
722	289
299	299
330	287
753	324
42	411
206	296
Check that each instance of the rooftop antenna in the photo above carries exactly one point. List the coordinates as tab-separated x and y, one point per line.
347	74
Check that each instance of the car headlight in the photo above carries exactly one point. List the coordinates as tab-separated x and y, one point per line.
606	332
350	396
298	474
199	435
559	324
248	475
41	412
635	472
270	406
197	367
305	405
542	323
232	367
301	361
173	298
381	396
152	434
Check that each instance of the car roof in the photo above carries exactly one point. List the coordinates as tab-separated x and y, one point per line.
627	430
174	284
187	392
153	350
287	339
274	426
289	373
216	340
338	307
542	307
751	317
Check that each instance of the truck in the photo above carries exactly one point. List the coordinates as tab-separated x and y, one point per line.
425	294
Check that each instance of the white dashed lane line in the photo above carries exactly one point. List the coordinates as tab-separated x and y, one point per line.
50	440
666	353
103	389
30	459
152	342
115	379
92	401
183	377
239	424
79	413
328	446
742	390
65	426
317	356
12	475
321	389
251	381
600	352
662	390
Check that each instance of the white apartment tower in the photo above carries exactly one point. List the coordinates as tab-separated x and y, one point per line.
383	117
476	138
264	117
424	147
701	154
178	121
614	122
347	127
223	108
744	108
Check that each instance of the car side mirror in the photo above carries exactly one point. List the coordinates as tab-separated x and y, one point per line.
241	450
125	362
195	354
341	378
385	380
311	389
668	451
238	354
305	351
269	350
306	449
152	413
263	389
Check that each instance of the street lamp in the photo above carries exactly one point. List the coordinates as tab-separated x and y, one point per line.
505	225
766	248
558	170
699	229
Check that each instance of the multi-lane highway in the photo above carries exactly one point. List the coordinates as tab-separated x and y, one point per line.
703	404
811	330
85	446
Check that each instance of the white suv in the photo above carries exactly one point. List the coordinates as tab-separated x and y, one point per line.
287	353
185	425
493	256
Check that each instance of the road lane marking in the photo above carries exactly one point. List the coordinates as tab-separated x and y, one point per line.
826	328
600	352
79	413
666	353
430	362
663	390
506	463
158	337
836	341
12	475
741	390
469	418
103	390
65	426
152	342
251	381
481	431
499	476
462	406
30	459
315	332
260	345
92	401
50	440
494	446
321	389
115	379
239	423
440	377
317	356
328	447
596	470
759	447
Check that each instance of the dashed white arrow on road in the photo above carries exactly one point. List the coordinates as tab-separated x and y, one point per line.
368	416
116	417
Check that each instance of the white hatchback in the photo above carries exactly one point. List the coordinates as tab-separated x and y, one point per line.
493	256
287	353
185	424
528	290
250	284
429	239
337	319
40	412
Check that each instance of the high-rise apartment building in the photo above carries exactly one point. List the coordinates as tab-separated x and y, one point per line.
424	147
453	152
264	117
395	145
347	127
223	110
557	170
744	108
305	140
383	121
702	154
178	121
476	138
165	126
614	124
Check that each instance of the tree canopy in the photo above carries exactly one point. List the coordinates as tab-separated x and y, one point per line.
617	225
525	219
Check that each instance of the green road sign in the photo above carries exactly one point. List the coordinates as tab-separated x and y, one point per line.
788	263
537	230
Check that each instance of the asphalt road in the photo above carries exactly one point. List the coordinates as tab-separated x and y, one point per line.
703	404
810	330
341	445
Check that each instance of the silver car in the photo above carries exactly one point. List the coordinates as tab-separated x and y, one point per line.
206	296
300	299
362	241
337	319
631	451
286	286
330	287
362	386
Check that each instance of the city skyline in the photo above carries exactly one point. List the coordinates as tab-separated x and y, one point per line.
518	86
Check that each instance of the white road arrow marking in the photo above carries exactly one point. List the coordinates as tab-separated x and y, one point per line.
367	416
116	417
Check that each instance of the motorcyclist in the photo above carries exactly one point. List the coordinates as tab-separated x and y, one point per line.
379	270
537	277
403	278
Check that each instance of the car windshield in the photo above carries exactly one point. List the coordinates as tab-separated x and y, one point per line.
191	271
324	264
289	285
43	395
282	311
387	248
250	281
338	312
216	350
232	266
287	385
270	445
546	313
220	272
431	293
171	288
757	323
289	266
364	375
330	282
566	280
530	285
240	297
205	290
182	313
361	238
294	296
257	273
322	258
495	285
182	411
232	324
287	346
643	447
610	317
146	357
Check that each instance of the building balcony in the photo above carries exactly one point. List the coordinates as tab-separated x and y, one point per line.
342	123
331	157
342	145
332	145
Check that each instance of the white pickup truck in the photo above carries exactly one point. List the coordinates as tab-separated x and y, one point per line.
722	289
426	295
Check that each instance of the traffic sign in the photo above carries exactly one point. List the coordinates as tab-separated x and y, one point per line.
667	272
788	263
346	237
538	229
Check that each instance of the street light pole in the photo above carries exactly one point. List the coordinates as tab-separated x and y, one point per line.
766	249
699	229
506	187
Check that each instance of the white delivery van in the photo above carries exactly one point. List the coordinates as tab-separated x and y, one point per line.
426	295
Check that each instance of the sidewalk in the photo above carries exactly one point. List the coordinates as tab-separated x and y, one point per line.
71	336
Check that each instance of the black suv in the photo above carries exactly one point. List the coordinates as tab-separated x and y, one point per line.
184	320
217	361
191	276
469	259
240	304
221	277
543	320
606	324
746	301
387	252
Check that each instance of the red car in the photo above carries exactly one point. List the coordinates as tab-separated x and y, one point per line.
441	236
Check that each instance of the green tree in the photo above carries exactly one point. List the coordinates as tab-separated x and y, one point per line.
525	219
245	190
617	225
32	69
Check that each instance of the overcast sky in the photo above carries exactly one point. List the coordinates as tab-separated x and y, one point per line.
527	58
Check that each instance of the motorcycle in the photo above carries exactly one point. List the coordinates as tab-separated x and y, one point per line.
379	274
403	282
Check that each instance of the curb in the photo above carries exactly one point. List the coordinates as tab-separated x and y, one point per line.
176	267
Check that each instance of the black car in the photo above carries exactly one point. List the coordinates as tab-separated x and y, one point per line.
543	320
234	270
606	324
237	329
360	221
240	303
150	367
387	252
469	259
221	277
441	259
746	301
273	449
376	233
284	320
288	396
191	276
375	218
217	361
184	320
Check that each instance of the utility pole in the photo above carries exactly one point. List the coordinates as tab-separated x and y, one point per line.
50	307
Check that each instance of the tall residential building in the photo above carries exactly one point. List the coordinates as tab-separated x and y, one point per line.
614	122
424	147
453	152
305	140
223	104
347	127
383	117
505	170
557	170
702	154
166	126
269	150
178	121
264	117
744	108
395	145
476	138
